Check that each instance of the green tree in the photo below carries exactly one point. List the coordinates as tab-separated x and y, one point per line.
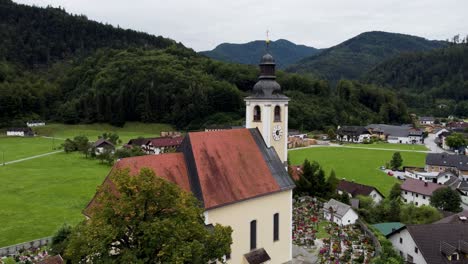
152	221
456	140
312	180
60	239
332	182
128	152
446	199
69	146
411	214
82	144
331	134
395	192
396	161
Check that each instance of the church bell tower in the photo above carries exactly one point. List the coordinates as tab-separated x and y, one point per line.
267	109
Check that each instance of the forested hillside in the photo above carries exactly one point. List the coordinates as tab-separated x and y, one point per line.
158	82
34	36
434	81
356	56
285	52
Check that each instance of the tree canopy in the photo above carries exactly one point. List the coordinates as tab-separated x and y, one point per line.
146	219
446	199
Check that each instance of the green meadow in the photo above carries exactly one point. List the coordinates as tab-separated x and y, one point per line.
13	148
360	165
390	146
92	131
39	195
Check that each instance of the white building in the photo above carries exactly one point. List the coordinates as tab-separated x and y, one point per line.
35	123
340	213
102	146
19	132
418	192
404	134
426	120
353	134
433	176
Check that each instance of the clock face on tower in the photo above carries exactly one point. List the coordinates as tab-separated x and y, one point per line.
277	132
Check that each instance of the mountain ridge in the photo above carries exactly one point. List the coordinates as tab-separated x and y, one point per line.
355	56
284	51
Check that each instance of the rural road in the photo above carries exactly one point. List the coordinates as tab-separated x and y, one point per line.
32	157
430	144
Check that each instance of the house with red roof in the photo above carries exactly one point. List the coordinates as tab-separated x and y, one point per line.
238	175
418	192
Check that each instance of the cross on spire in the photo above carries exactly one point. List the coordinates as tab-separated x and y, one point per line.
267	39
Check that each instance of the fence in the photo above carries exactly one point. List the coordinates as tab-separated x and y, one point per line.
368	232
14	249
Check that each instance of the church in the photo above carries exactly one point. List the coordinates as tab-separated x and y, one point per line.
239	175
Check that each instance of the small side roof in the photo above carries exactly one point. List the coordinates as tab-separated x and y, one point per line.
389	228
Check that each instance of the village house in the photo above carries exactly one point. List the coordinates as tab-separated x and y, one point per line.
353	134
238	175
461	218
354	189
442	177
404	134
162	145
440	162
103	146
157	145
432	243
296	134
426	120
418	192
20	132
35	123
340	213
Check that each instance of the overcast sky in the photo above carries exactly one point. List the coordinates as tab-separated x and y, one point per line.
204	24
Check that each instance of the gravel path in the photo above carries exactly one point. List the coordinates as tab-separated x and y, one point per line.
29	158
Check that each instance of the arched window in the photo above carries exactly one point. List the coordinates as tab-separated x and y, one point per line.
277	114
257	113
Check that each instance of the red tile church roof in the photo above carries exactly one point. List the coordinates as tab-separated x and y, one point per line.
218	167
230	167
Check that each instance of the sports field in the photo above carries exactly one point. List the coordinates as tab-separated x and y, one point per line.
360	165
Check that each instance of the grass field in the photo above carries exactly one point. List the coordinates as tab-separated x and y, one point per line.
13	148
360	165
390	146
92	131
39	195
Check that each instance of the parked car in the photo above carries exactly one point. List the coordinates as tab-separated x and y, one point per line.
382	167
390	173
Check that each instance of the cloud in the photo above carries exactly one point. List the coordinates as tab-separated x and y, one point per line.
204	24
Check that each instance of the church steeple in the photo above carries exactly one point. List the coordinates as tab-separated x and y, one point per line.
267	108
266	86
